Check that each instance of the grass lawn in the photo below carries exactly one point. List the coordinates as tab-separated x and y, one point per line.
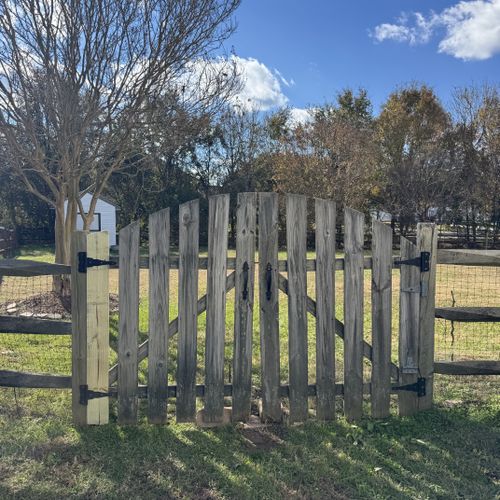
452	451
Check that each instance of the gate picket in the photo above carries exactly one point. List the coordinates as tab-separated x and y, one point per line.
159	242
244	299
128	324
353	314
381	318
409	299
218	218
268	300
296	217
189	216
325	212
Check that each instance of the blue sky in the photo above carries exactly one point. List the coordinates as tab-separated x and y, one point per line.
322	46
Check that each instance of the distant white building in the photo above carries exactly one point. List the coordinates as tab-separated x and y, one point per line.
104	216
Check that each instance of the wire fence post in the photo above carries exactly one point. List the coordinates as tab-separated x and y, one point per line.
90	328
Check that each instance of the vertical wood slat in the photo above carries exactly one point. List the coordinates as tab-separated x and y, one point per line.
189	217
128	324
268	301
159	242
427	242
218	219
353	314
381	318
244	300
90	319
325	213
409	299
296	237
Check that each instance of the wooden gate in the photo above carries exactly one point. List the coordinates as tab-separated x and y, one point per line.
257	229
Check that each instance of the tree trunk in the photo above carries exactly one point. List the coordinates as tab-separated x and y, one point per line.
65	224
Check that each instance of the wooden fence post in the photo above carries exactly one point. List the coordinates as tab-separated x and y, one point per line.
90	320
427	242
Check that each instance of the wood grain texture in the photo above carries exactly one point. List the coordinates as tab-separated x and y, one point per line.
465	314
353	314
128	324
90	318
409	301
159	243
381	318
427	236
469	257
325	213
189	222
246	212
269	319
16	324
218	220
296	217
487	367
27	268
10	378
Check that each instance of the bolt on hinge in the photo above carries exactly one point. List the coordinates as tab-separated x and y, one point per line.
85	262
423	262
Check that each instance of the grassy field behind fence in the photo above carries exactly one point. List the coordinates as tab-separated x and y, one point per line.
450	452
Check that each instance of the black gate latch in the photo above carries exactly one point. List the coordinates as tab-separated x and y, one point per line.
423	262
87	394
85	262
418	387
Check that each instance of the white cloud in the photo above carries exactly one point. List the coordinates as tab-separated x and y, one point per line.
261	88
469	29
300	116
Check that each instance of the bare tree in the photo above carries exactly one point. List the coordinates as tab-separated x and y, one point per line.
79	78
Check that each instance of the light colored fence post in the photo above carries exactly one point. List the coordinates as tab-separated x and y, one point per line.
90	319
427	242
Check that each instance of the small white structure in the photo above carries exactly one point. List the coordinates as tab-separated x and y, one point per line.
104	216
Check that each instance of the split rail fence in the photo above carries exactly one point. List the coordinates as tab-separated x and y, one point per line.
93	382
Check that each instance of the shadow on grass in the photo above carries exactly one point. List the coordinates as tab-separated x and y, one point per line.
445	453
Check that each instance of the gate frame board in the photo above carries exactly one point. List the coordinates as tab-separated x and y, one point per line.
159	245
218	220
128	324
90	325
269	307
246	212
353	313
189	222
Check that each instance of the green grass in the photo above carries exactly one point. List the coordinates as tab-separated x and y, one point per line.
449	452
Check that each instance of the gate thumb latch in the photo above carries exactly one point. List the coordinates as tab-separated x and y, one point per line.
423	262
87	394
85	262
418	387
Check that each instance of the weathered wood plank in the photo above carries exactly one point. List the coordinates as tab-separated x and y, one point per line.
325	213
159	243
189	222
427	238
128	324
381	318
467	314
218	220
467	367
268	300
244	299
28	268
409	300
353	314
16	324
296	220
90	318
469	257
10	378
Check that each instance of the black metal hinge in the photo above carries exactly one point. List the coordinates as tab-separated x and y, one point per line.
87	394
423	262
85	262
418	387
